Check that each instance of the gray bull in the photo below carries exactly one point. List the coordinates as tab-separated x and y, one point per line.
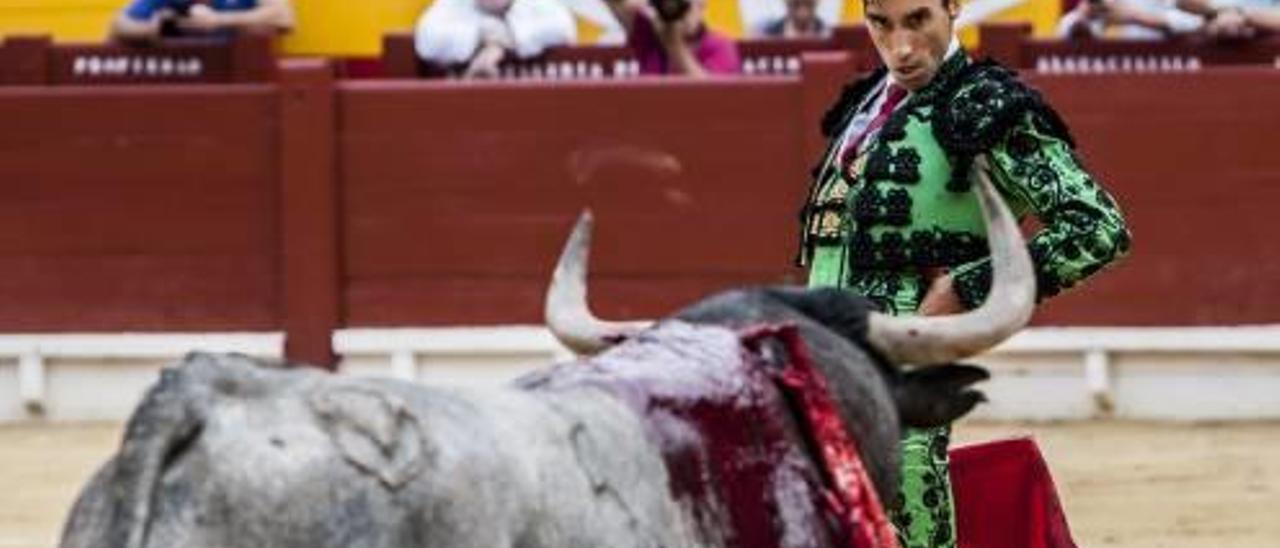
230	451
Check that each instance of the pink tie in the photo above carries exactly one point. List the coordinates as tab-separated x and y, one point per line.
893	96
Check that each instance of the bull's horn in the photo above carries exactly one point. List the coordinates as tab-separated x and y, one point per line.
943	339
567	314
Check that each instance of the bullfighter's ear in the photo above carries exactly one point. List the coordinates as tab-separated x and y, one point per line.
374	431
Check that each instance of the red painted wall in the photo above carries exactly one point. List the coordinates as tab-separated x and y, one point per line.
309	204
138	209
456	198
1193	161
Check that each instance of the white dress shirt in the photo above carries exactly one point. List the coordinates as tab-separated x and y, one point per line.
449	32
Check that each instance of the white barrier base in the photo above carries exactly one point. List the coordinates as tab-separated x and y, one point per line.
93	376
1219	373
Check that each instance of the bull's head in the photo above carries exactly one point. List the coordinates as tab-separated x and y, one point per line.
908	340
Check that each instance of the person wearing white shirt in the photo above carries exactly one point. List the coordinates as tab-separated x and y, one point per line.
1129	19
480	34
1236	19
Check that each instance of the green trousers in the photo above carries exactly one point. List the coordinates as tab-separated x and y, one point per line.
925	514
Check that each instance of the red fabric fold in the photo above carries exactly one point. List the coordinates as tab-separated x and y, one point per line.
1005	497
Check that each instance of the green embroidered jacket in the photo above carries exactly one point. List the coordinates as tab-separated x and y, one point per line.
883	223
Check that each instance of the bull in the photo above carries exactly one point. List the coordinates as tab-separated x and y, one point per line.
694	432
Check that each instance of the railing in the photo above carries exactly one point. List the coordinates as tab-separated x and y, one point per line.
34	351
1013	45
759	57
37	60
1180	373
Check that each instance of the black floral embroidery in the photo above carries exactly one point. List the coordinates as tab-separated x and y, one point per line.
1070	250
867	206
895	129
924	520
879	284
924	247
862	248
1021	145
960	168
959	247
899	166
870	207
977	108
1042	177
973	285
1078	215
972	288
893	252
838	116
897	207
921	248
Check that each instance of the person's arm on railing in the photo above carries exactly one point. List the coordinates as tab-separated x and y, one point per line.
1124	12
1263	18
535	26
139	21
679	55
1225	19
269	17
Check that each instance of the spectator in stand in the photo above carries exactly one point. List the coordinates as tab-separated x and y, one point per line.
151	19
1131	19
800	21
671	37
480	34
1236	19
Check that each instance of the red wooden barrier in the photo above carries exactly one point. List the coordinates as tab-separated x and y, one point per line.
36	60
309	211
457	196
780	55
1013	45
1140	140
138	209
399	60
760	56
1196	178
311	204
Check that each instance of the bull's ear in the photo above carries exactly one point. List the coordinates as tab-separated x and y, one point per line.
934	396
374	431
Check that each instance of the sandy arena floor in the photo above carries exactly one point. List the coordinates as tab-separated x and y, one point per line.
1124	484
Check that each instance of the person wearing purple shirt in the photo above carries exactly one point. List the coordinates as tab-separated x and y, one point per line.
149	19
683	46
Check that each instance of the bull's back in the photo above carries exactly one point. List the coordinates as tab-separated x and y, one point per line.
735	456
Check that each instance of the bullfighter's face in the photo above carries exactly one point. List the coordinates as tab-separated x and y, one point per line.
911	36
